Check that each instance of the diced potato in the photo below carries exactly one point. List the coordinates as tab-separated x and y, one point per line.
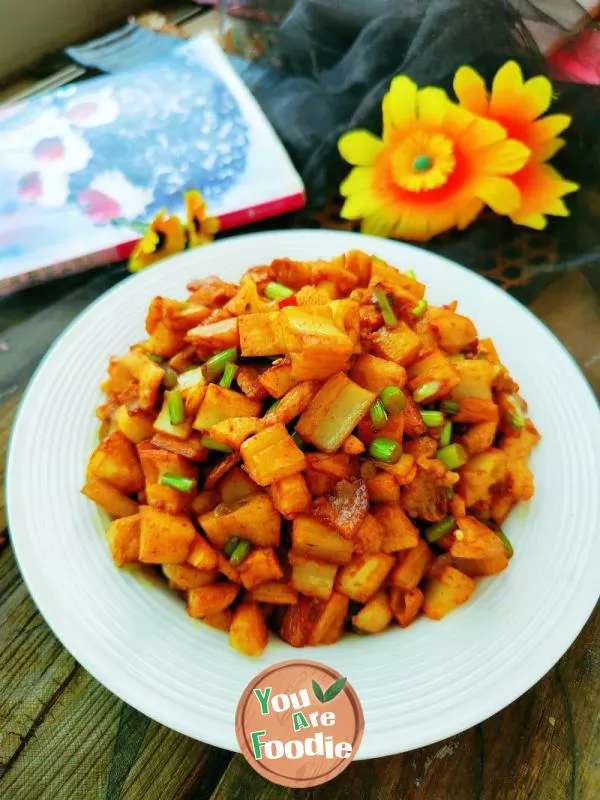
210	291
375	616
207	600
425	497
405	605
247	300
253	518
257	335
455	332
260	566
399	344
364	576
383	272
353	446
413	421
124	540
248	632
404	471
314	364
383	488
480	567
294	274
360	265
274	592
312	327
110	498
165	341
205	501
433	368
334	412
236	485
248	379
202	555
234	432
185	360
299	621
220	404
163	423
319	483
479	437
183	577
339	466
312	578
480	474
278	380
291	496
220	469
221	620
226	568
369	536
191	448
157	462
398	531
476	377
518	445
292	404
410	566
334	272
477	541
164	538
115	460
148	374
375	373
475	410
215	335
136	425
393	429
272	455
445	592
313	539
329	616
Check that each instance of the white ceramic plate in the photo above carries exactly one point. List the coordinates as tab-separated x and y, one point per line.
418	685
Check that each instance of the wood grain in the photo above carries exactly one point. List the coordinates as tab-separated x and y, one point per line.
62	735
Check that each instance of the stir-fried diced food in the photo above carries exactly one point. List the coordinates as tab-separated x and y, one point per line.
311	451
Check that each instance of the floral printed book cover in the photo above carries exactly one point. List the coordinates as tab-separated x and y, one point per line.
76	162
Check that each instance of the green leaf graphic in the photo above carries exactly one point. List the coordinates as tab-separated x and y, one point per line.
335	689
318	692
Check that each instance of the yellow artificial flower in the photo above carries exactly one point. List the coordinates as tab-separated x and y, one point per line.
201	229
519	106
164	237
435	167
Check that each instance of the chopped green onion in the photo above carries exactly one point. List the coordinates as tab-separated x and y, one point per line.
506	542
449	407
453	456
228	375
277	291
230	546
240	553
176	408
441	528
386	450
411	274
446	435
420	308
170	379
273	406
387	312
433	419
393	399
516	420
154	357
298	440
178	482
215	365
212	444
426	391
378	414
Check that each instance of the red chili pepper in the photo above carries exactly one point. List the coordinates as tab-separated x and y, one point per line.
289	301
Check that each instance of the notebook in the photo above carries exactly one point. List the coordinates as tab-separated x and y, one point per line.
124	146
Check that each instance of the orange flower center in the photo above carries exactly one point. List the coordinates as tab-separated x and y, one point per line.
422	161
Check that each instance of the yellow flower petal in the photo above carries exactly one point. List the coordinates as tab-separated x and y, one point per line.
543	129
536	221
471	91
400	104
360	178
432	105
467	212
482	132
546	150
538	96
359	148
361	205
507	89
542	189
500	194
378	224
503	158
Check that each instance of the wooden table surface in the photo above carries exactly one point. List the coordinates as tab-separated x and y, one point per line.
62	735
